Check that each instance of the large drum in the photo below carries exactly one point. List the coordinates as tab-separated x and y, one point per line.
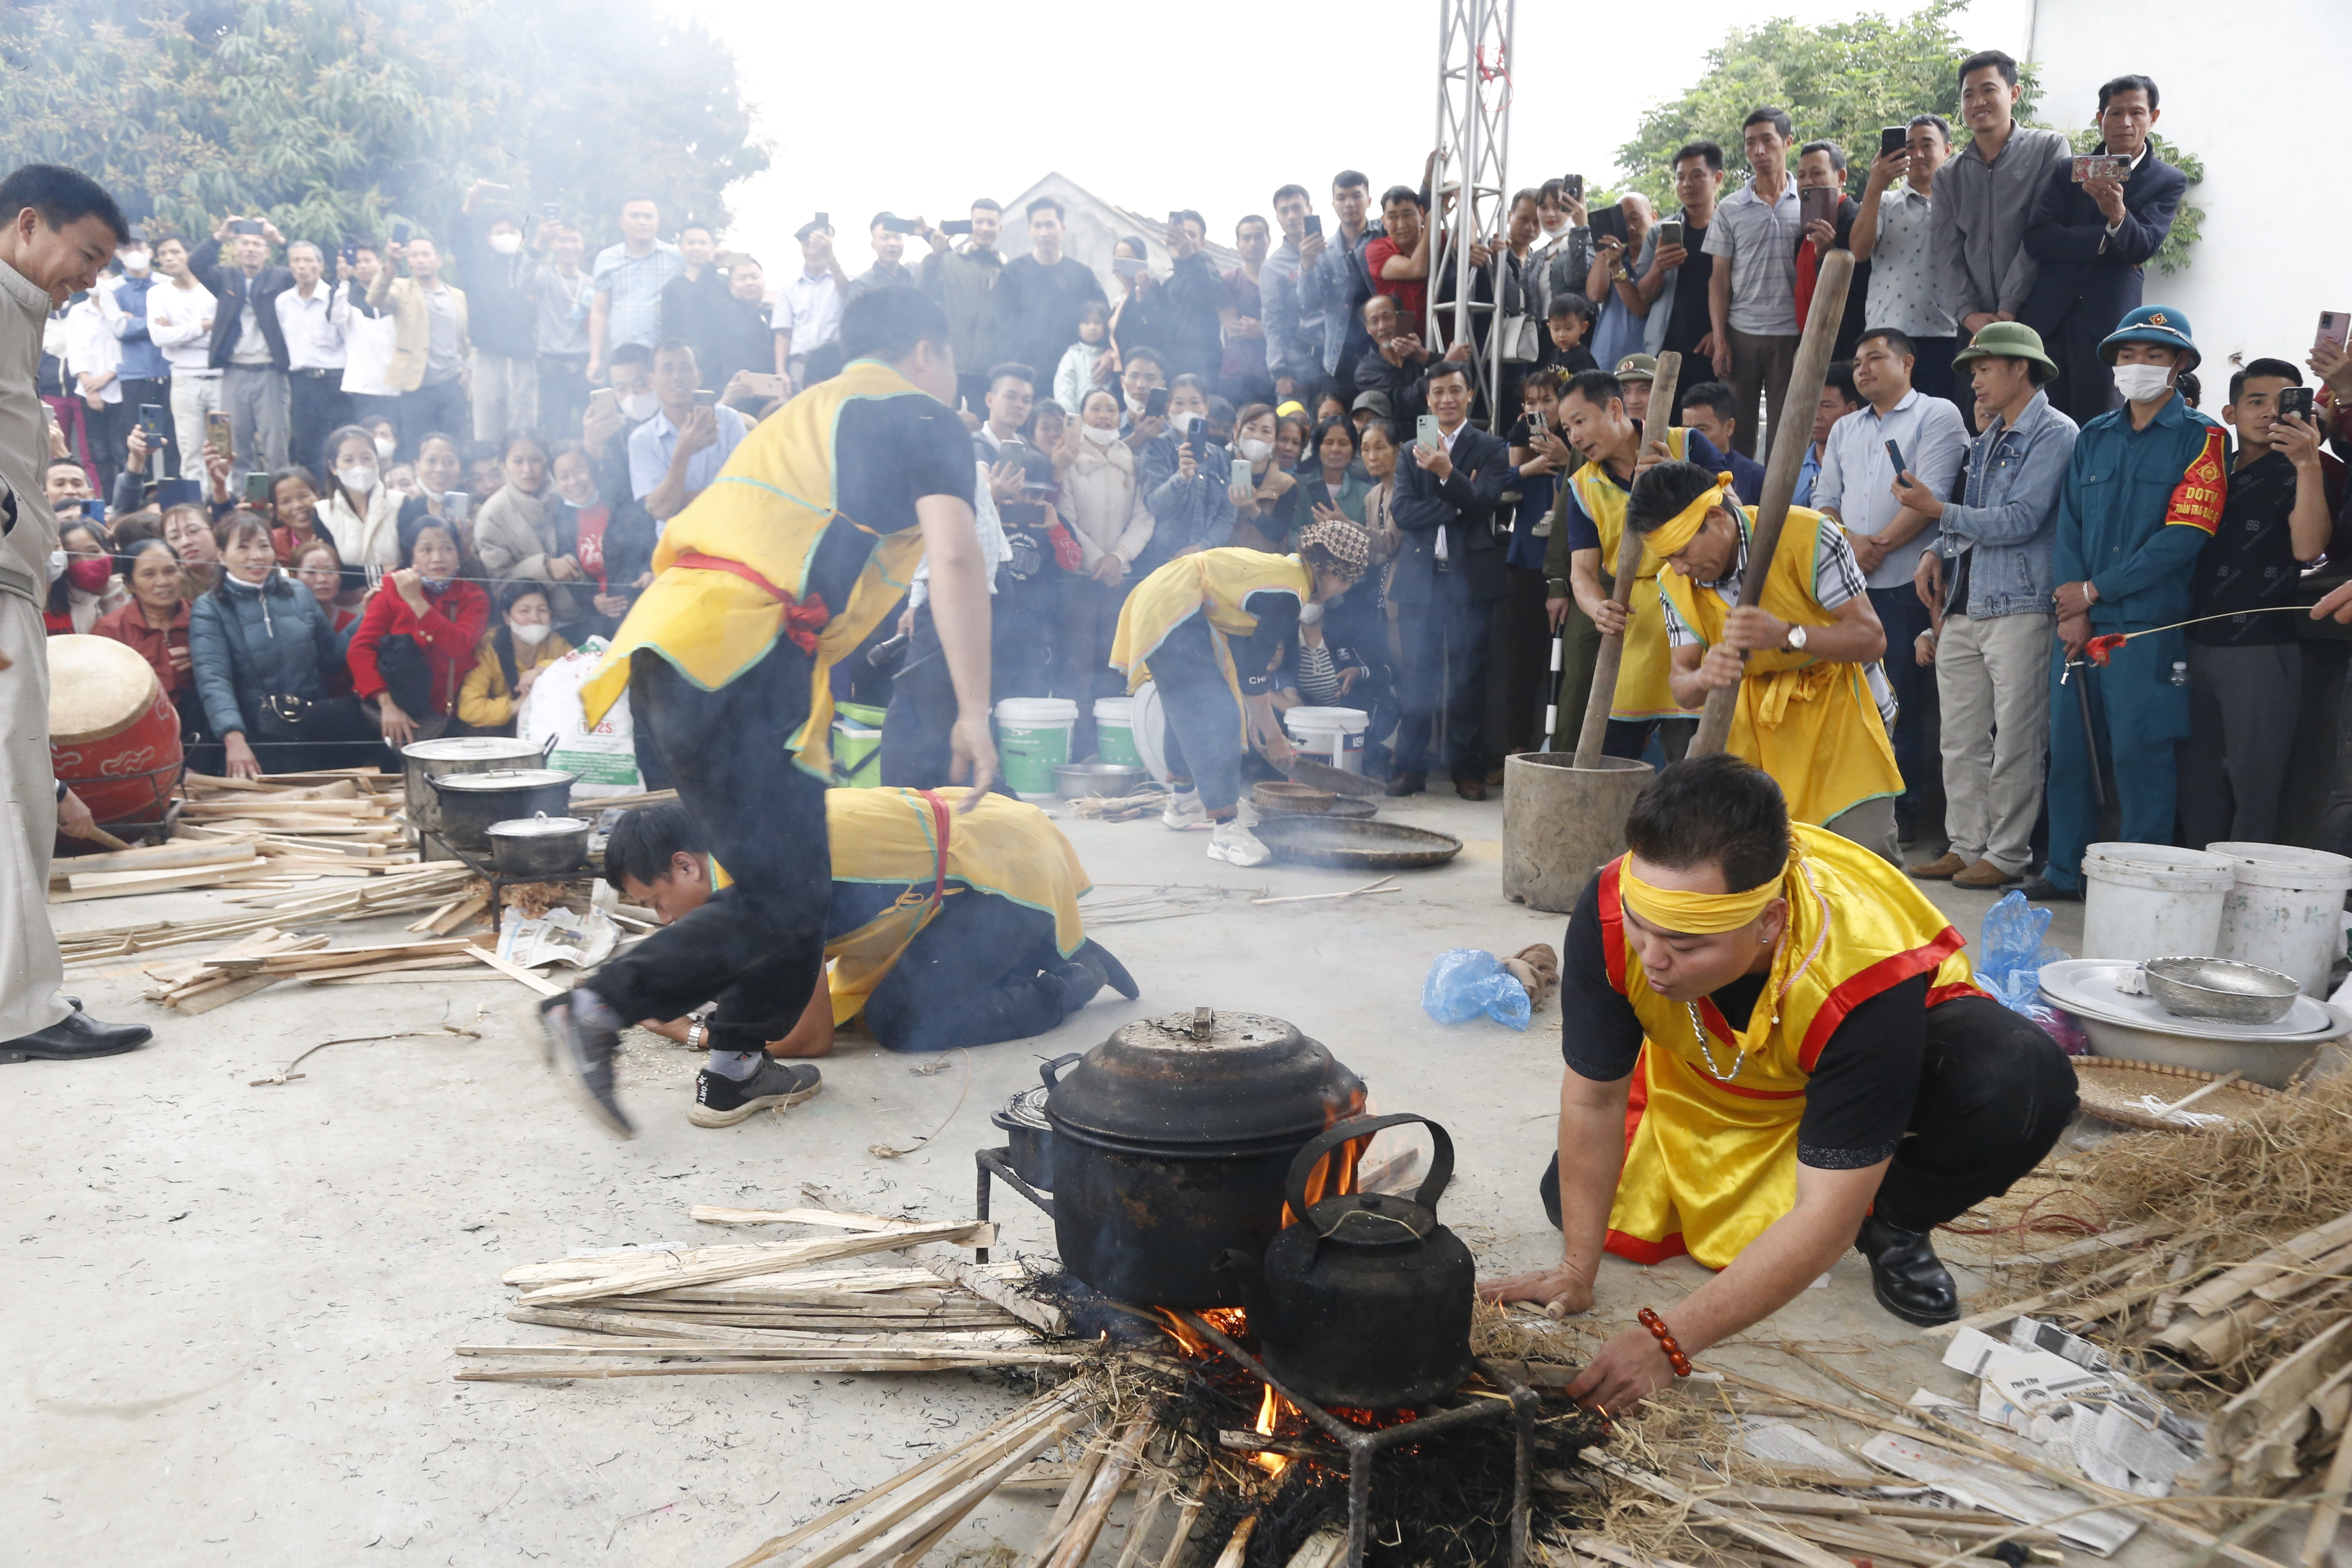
114	736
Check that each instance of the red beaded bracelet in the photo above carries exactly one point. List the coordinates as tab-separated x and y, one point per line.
1658	1332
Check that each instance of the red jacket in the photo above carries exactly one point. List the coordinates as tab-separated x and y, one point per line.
448	632
128	624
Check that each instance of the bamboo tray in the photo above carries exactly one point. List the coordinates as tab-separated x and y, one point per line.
2110	1088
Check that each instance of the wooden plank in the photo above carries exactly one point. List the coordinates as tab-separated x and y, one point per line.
517	972
1769	1537
128	884
668	1274
159	858
705	1214
990	1288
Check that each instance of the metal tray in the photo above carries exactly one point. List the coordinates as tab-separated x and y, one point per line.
1351	843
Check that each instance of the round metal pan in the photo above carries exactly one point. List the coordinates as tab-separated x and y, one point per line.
1352	844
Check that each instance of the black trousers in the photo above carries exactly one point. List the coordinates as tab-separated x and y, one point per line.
1994	1094
758	945
562	394
1527	637
1201	725
1630	738
976	975
439	408
316	407
1443	674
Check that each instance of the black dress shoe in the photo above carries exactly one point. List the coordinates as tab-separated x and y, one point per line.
1408	783
2043	890
1906	1276
74	1036
1114	973
1470	789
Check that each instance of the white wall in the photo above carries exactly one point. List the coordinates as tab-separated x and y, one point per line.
2254	90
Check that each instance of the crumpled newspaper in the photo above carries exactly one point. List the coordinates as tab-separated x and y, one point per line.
559	936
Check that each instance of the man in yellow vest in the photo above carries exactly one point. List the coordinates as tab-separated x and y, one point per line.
944	930
1813	707
1774	1052
806	539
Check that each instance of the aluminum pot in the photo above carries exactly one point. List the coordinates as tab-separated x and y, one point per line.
1171	1140
454	754
540	845
470	803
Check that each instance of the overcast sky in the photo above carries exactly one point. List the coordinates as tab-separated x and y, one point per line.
920	105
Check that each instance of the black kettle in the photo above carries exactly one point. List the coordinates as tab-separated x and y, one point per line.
1366	1301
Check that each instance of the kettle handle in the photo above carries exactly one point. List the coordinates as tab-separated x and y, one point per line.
1441	1162
1046	1071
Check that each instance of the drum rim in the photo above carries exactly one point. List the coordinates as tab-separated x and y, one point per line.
155	693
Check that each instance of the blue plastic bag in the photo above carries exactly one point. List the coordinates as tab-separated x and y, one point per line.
1465	981
2010	956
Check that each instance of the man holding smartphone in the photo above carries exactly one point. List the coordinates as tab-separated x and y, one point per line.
248	346
962	278
1890	232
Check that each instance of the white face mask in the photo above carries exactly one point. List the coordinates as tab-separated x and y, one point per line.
358	478
1098	436
532	634
1255	450
1309	614
56	564
579	496
136	260
2143	383
385	446
640	405
506	244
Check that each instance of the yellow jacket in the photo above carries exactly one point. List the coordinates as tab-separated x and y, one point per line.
483	701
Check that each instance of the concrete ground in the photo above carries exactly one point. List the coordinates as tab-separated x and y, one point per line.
232	1307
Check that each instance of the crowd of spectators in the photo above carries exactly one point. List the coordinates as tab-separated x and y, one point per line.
359	490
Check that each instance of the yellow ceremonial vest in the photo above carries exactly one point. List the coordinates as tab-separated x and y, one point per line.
769	509
1644	690
893	836
1812	724
1217	582
1710	1164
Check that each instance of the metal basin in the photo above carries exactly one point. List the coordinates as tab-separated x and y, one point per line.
2220	988
1353	845
1077	781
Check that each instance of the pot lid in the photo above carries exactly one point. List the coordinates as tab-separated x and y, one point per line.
470	748
538	825
1206	1076
1027	1109
498	780
1371	1220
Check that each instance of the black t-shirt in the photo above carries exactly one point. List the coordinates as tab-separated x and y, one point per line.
2250	561
1859	1101
1689	321
1037	311
888	453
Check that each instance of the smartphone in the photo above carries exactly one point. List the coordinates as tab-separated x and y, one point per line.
2295	400
1608	223
496	193
1425	431
456	505
1314	223
2101	166
1014	452
1670	232
1893	139
216	435
603	400
256	490
956	225
1818	203
245	226
901	225
1196	435
1573	187
551	210
151	422
763	384
1894	456
824	220
1242	475
705	398
400	233
1128	266
1156	406
2336	327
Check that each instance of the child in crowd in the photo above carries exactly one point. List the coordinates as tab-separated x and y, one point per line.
1077	376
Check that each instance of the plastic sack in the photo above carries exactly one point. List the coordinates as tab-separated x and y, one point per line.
1465	981
2020	992
604	756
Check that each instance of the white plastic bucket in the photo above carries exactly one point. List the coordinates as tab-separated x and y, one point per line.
1333	735
1115	731
2150	901
1150	731
2286	910
1032	738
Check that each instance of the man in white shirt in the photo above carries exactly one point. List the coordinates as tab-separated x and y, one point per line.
808	313
1856	485
93	365
675	455
314	357
180	323
1890	232
368	336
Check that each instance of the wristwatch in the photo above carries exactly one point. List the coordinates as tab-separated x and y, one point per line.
1796	639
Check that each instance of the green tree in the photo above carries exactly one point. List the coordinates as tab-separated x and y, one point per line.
333	117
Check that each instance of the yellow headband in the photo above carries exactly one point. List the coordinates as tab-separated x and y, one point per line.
1671	537
1693	914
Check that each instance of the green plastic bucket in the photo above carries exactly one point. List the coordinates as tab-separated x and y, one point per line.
1032	738
1115	731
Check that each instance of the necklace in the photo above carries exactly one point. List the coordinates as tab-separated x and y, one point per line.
1700	1031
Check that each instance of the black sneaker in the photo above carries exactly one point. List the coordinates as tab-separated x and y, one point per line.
722	1101
581	1054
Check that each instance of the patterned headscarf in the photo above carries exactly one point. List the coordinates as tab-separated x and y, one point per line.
1344	544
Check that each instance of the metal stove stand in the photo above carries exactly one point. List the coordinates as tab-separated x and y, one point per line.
499	884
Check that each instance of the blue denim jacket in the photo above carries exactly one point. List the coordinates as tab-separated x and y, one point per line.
2010	515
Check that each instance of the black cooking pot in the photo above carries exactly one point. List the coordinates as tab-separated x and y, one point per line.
1028	1133
1171	1139
470	803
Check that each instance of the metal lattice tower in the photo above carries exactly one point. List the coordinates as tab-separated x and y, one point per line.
1474	142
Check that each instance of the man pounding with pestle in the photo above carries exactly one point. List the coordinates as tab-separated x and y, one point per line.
1774	1052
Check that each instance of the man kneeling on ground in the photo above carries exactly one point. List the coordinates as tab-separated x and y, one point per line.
944	930
1808	1063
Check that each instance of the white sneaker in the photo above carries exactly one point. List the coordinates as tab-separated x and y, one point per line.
1237	846
1184	810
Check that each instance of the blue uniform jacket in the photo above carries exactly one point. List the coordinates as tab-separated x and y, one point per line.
2137	507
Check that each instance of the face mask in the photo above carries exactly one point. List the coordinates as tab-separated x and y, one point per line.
581	498
1099	437
56	564
385	446
89	573
640	405
1309	614
358	478
506	244
2143	383
1256	451
532	634
136	260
